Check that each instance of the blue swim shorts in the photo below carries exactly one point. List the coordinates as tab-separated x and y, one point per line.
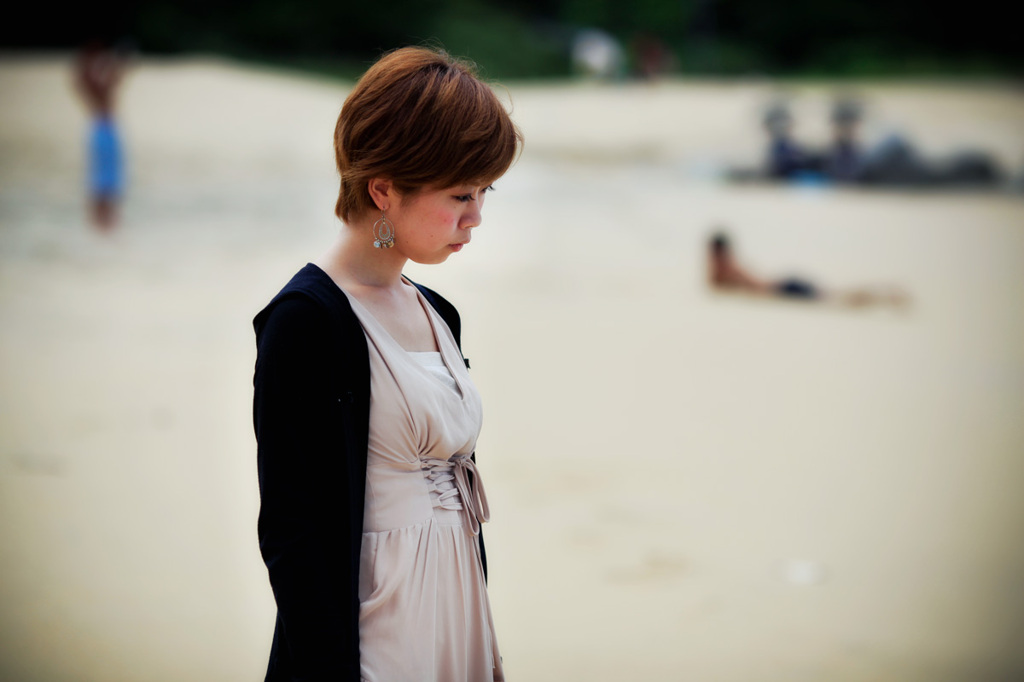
106	167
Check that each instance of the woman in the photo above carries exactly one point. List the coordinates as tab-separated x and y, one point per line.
365	415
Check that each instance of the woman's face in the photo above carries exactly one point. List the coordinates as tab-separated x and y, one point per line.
432	224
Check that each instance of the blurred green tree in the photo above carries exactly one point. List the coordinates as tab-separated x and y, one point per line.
531	38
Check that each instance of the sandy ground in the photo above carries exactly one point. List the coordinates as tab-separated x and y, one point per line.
684	486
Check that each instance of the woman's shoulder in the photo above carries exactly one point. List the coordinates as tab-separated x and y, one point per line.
293	312
310	295
309	330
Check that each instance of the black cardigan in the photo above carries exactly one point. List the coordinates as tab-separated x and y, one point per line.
311	412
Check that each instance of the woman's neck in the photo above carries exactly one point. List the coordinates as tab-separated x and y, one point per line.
354	263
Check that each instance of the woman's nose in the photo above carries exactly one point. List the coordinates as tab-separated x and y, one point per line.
472	217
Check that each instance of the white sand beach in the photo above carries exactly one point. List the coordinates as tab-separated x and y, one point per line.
684	485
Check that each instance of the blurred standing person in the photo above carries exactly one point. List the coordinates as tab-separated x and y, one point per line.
598	55
786	159
366	418
98	73
844	160
652	58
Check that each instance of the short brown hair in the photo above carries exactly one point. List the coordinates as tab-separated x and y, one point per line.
420	118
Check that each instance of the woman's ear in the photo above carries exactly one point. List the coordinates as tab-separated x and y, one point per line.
382	191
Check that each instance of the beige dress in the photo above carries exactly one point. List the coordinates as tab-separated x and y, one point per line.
424	614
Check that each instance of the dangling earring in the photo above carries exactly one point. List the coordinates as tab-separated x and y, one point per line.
383	233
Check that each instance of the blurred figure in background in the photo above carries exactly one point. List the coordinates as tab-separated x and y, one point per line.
652	59
725	274
894	161
844	160
98	73
598	55
786	159
897	162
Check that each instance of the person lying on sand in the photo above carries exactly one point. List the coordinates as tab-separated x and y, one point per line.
725	274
